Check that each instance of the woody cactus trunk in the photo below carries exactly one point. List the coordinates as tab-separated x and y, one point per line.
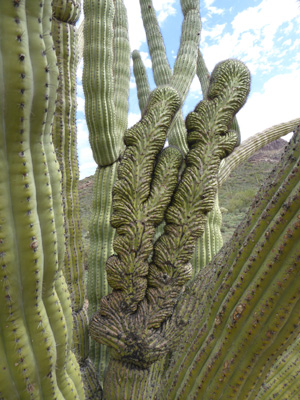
232	332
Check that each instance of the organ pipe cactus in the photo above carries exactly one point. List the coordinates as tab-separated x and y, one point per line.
169	338
65	15
106	91
36	316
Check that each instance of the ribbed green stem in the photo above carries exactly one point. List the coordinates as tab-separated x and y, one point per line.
251	145
106	85
142	84
248	299
186	61
203	74
121	70
65	141
101	247
185	64
35	340
161	69
103	102
211	241
132	383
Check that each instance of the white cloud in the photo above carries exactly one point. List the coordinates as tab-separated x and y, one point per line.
214	33
133	119
146	59
208	3
195	87
276	103
80	104
253	37
85	155
137	36
268	13
164	9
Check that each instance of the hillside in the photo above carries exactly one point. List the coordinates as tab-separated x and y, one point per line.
235	196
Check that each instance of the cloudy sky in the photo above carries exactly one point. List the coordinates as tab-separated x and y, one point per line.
265	34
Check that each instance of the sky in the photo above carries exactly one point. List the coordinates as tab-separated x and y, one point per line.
264	34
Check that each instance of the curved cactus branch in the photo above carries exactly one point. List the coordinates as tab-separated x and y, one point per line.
251	145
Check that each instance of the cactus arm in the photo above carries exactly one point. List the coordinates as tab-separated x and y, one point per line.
186	61
203	74
80	45
98	84
142	84
211	241
185	65
209	141
161	69
67	10
106	111
101	247
254	143
254	299
121	62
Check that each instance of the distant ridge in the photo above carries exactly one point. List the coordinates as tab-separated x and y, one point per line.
271	152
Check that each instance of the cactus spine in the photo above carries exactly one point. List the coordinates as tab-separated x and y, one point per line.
35	345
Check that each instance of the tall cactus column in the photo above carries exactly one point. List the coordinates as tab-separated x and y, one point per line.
106	84
65	15
36	360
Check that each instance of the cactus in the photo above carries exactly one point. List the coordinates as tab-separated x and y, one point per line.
64	33
170	337
36	317
106	92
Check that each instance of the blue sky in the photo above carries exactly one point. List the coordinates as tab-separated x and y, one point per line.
265	34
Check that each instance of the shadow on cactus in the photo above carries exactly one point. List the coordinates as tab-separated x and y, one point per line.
146	276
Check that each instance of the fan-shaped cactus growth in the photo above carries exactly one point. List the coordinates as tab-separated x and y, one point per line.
140	204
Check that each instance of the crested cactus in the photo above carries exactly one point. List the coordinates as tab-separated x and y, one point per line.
146	292
169	338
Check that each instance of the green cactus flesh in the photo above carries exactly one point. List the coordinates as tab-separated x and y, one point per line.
35	344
